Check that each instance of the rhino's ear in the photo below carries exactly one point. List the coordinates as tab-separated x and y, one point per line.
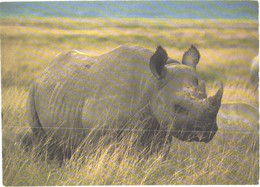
191	57
157	62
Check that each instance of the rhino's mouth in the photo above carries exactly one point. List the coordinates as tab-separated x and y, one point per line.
196	135
207	137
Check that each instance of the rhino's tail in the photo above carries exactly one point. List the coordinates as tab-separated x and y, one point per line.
33	116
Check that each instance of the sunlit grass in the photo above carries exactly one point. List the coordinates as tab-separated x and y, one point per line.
227	48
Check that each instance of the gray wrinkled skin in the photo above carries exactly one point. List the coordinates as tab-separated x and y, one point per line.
77	93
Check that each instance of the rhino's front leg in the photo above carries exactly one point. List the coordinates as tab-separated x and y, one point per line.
155	138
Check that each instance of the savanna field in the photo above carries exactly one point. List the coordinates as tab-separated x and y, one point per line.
227	48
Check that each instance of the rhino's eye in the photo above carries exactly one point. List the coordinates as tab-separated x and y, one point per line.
180	109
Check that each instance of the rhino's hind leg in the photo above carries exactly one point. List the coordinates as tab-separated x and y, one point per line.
34	122
42	144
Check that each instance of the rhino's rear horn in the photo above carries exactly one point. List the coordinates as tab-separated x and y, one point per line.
202	88
215	100
158	61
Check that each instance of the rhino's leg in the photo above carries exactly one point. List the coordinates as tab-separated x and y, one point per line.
32	115
54	149
155	138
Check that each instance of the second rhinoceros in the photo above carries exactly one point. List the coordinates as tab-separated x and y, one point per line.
77	93
254	71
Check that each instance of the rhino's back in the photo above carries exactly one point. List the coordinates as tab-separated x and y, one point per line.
120	70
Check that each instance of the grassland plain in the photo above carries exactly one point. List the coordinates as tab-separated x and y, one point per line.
227	48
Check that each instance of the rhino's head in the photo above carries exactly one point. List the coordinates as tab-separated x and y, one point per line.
180	101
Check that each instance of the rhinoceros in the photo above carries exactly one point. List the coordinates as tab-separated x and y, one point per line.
77	93
254	69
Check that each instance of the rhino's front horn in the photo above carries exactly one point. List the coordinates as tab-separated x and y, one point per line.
215	100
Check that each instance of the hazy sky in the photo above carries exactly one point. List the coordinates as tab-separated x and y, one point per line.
146	9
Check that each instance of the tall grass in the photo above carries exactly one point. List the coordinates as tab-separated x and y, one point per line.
226	48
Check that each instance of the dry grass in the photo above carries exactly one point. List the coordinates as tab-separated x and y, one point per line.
226	48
